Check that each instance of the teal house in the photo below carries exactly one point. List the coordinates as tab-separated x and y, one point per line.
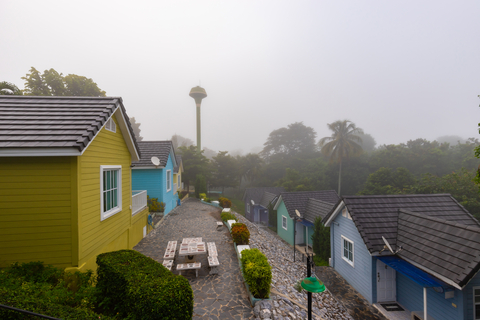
309	205
154	172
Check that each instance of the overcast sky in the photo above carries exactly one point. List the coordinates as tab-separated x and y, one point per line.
400	70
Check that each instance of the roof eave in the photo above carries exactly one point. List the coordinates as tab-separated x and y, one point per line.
332	216
40	152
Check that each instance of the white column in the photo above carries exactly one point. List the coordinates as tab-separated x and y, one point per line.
425	303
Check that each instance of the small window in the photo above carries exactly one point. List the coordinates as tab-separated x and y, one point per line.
111	191
169	180
476	302
110	125
284	222
248	207
347	250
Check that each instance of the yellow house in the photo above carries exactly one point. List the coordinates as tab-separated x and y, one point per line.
177	173
65	180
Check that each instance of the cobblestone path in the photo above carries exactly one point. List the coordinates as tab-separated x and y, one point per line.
220	296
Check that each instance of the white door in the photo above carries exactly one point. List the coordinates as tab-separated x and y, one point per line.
386	283
299	236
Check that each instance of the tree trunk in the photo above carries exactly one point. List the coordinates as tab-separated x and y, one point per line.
339	177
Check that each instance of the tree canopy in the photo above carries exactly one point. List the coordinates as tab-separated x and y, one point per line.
8	88
194	163
224	171
136	128
291	141
52	83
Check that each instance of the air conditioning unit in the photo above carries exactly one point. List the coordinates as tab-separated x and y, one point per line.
418	315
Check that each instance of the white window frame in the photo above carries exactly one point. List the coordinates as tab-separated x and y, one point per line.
350	262
248	207
475	315
107	214
284	221
169	180
110	125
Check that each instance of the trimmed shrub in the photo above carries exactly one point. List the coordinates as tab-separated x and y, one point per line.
321	240
257	272
228	216
224	202
137	286
202	195
49	291
240	233
154	205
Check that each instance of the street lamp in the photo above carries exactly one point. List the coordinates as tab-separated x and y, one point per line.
311	284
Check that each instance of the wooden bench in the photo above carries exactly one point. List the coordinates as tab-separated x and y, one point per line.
170	251
189	266
212	249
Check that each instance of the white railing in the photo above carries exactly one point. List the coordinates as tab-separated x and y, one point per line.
174	188
139	200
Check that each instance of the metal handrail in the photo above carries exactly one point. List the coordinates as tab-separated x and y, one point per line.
28	312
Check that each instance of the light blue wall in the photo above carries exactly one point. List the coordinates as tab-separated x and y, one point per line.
468	296
410	295
310	234
360	275
155	182
286	235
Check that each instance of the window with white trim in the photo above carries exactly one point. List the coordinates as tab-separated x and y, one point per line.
248	207
169	180
284	222
347	250
110	191
476	302
110	125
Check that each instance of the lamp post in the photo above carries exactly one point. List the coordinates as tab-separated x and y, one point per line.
311	284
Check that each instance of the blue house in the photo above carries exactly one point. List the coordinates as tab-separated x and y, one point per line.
257	200
309	205
418	254
154	172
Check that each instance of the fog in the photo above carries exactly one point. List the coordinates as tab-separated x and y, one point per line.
400	70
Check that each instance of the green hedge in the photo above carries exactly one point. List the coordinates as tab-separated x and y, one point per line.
141	288
257	272
48	291
228	216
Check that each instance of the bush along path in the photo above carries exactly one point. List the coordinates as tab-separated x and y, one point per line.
286	302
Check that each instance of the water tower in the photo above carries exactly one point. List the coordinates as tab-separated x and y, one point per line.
198	93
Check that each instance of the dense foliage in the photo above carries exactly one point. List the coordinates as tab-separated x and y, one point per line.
240	234
154	205
200	185
49	291
321	241
228	216
257	272
138	287
224	202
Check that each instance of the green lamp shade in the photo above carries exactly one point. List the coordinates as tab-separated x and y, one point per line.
311	284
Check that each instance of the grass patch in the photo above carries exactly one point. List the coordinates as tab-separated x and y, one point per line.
238	206
319	262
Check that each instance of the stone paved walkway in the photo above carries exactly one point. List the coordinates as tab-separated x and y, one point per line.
221	296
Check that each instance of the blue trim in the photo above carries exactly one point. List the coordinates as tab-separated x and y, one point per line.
413	273
306	223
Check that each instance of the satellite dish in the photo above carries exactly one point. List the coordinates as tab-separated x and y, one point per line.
253	202
155	161
388	245
298	213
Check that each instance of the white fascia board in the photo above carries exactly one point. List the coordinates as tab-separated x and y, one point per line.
39	152
334	214
278	203
149	167
433	273
122	123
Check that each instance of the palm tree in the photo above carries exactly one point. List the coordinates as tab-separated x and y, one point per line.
343	143
9	88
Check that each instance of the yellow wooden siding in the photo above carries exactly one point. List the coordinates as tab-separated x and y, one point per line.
35	210
95	236
139	221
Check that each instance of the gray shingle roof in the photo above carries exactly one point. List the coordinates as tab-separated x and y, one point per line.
298	200
317	208
256	194
178	159
30	122
267	198
448	248
377	216
149	149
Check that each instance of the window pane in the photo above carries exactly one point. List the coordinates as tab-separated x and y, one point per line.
104	201
477	299
115	197
109	204
115	175
104	180
349	246
108	180
477	311
477	292
350	256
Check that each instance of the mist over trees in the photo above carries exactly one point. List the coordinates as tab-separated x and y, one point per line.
136	128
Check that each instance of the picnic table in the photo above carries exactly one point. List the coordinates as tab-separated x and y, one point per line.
190	247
